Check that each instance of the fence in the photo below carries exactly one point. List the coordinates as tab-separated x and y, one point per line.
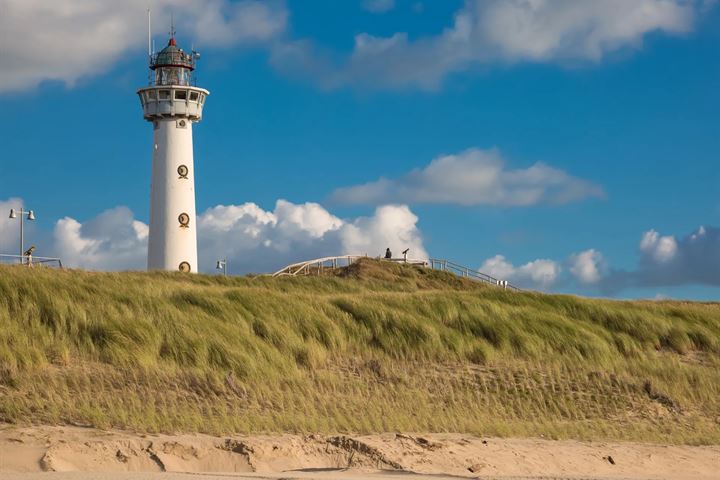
462	271
32	261
318	265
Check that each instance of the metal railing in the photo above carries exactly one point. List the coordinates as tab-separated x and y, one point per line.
32	261
177	58
466	272
318	265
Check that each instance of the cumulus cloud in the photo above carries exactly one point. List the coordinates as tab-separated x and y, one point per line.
587	267
65	40
257	240
113	240
251	238
378	6
659	249
670	261
665	261
538	274
506	31
474	177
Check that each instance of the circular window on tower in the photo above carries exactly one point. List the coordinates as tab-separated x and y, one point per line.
183	171
184	220
184	267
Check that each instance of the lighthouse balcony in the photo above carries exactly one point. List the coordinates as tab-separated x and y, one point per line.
169	101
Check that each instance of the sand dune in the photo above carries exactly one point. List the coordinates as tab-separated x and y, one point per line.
83	453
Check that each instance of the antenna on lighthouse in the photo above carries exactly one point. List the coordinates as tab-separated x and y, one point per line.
150	49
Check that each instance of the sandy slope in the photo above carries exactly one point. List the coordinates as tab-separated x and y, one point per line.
24	452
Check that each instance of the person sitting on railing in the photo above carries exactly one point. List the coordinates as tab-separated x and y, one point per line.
388	254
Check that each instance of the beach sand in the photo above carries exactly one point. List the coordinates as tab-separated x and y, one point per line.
75	453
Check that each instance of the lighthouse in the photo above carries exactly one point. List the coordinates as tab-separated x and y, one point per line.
172	103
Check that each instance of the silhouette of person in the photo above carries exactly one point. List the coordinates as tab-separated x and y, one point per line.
388	254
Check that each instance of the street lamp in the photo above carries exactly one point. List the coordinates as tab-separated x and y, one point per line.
222	265
22	213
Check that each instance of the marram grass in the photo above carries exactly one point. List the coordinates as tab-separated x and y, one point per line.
374	348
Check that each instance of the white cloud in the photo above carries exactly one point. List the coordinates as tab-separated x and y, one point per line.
113	240
474	177
660	249
252	239
393	226
666	260
486	31
378	6
588	266
66	40
541	273
256	240
583	29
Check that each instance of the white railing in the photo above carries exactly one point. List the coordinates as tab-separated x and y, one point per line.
461	271
318	265
30	261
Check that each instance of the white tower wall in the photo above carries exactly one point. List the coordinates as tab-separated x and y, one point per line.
170	242
172	109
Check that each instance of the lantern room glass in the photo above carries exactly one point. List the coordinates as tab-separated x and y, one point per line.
172	76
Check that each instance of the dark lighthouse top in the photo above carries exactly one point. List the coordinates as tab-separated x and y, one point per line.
172	66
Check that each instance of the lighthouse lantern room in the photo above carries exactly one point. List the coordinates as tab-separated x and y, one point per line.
172	103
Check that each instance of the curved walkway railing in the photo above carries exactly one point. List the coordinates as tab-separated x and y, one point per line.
318	265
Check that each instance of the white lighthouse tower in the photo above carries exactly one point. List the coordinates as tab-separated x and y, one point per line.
172	104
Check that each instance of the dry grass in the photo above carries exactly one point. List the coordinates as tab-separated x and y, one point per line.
374	348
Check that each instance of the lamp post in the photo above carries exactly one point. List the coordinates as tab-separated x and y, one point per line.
30	216
222	265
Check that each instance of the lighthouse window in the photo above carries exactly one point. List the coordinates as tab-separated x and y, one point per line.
164	94
202	99
150	95
193	96
180	94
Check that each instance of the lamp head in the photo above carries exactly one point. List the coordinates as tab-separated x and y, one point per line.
31	215
12	213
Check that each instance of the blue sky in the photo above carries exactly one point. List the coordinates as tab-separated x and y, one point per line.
619	106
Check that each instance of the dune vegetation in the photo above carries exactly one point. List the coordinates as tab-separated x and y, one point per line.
376	347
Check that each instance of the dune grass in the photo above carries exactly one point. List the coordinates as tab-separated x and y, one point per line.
374	348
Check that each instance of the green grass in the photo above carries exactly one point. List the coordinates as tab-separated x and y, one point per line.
374	348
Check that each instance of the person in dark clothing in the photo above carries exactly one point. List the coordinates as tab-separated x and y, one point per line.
388	254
